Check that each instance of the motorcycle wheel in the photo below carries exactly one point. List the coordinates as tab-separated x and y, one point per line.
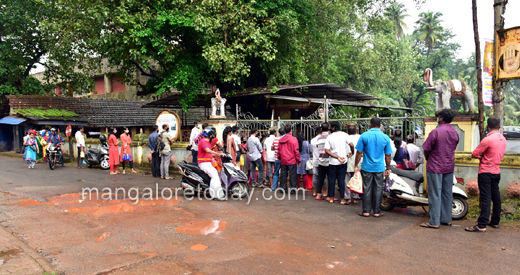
239	189
386	205
104	163
52	162
460	207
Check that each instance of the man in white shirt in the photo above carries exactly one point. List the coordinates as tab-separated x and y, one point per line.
195	132
353	138
416	155
268	145
315	157
339	150
80	143
236	139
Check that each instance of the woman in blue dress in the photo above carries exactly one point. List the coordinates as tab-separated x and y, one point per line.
31	149
305	150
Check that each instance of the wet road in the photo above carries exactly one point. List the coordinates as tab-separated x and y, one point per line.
43	208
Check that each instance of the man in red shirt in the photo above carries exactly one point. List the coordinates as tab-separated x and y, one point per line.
204	158
289	158
490	151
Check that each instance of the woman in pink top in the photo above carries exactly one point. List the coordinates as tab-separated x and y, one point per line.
126	150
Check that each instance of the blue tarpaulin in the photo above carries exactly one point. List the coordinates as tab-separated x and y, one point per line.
12	120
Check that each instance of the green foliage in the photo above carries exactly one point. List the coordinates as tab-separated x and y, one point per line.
44	113
474	209
27	39
396	13
429	29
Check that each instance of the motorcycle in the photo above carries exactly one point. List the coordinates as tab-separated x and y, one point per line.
405	191
98	156
54	154
234	181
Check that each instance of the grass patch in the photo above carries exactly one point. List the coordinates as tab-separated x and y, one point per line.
510	210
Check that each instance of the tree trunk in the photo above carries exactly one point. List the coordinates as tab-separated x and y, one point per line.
478	62
498	86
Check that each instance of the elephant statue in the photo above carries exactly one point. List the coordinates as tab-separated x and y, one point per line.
447	90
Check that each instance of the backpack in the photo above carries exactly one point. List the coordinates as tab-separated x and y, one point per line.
160	143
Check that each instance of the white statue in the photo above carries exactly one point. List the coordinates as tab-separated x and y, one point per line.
218	104
451	89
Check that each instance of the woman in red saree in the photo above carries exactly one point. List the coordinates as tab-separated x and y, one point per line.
126	152
113	152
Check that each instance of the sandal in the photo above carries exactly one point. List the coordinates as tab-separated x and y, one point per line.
496	226
345	202
320	198
378	215
363	214
446	223
428	225
355	201
475	229
330	200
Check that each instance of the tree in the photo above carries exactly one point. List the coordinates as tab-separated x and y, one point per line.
429	29
396	12
26	41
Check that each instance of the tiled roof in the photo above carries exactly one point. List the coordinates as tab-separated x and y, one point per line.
103	112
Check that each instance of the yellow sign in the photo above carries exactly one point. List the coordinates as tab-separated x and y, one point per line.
508	54
172	120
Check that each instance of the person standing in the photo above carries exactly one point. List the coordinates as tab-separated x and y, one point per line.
31	149
156	156
305	152
277	163
231	147
338	148
315	156
80	143
289	159
113	152
237	141
39	144
439	151
270	155
353	138
490	151
401	154
254	153
415	153
375	148
323	161
45	142
195	132
126	150
166	152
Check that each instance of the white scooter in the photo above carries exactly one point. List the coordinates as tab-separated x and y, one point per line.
405	191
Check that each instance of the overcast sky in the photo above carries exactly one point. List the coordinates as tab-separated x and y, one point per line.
458	16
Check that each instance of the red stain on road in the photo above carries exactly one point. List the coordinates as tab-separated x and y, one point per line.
102	237
202	228
34	202
122	207
199	247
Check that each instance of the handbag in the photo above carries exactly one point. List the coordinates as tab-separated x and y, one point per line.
355	184
188	147
127	157
82	154
242	160
407	164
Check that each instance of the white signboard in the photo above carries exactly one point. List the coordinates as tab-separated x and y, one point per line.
172	120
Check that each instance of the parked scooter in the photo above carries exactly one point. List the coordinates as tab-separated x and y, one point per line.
234	181
405	192
54	154
98	156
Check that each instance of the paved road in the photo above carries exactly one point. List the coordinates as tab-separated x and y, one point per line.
43	209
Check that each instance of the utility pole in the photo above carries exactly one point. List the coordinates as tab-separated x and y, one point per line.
478	62
498	85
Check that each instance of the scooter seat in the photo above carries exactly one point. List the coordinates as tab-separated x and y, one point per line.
195	168
413	175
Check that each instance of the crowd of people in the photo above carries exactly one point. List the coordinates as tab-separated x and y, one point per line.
281	161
